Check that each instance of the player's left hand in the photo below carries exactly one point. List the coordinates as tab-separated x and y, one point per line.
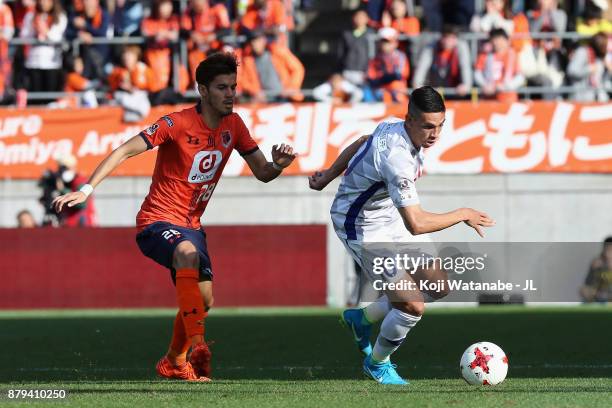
283	155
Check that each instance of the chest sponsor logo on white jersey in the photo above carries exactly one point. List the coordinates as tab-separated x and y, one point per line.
205	166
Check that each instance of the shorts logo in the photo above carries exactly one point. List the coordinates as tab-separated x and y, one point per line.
226	138
168	121
205	166
152	129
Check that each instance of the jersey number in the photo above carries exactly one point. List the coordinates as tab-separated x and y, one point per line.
206	192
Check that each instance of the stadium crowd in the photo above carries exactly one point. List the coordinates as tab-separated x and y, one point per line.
126	49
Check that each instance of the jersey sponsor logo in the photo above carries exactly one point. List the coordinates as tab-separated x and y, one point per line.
205	166
193	140
226	138
168	121
152	129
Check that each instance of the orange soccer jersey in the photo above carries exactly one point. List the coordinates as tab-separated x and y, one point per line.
190	160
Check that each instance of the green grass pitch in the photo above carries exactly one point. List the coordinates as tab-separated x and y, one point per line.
559	357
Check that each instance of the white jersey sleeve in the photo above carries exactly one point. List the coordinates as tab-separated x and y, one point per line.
396	167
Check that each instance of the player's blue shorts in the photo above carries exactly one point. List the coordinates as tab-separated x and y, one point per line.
159	240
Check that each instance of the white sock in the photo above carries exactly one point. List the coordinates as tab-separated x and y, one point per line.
376	311
393	331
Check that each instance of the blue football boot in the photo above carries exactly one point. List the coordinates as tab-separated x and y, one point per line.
383	373
353	320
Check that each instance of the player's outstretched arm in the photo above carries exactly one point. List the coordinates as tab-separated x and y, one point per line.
419	221
132	147
321	179
282	157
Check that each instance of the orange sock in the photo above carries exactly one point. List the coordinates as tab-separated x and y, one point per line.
180	343
191	305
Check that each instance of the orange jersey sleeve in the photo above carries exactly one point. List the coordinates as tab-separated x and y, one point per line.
244	142
159	132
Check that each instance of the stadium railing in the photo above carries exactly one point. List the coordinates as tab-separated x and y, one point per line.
179	57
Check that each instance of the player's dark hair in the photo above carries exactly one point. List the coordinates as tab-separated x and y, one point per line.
221	63
425	100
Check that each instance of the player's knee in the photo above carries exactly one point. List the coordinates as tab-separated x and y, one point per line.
413	308
186	256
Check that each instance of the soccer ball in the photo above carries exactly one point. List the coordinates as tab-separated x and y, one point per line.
484	363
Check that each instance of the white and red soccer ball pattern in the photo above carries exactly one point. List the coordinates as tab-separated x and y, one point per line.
484	363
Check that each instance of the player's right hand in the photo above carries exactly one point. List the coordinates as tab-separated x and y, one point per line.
70	200
319	180
477	219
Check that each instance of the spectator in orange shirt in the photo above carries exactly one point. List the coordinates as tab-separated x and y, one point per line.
396	16
161	30
7	30
388	71
76	82
266	15
269	72
497	71
203	25
132	73
131	83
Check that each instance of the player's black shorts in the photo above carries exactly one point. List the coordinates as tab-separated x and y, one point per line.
159	240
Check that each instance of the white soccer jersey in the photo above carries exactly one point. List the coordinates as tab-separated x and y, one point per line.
379	179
